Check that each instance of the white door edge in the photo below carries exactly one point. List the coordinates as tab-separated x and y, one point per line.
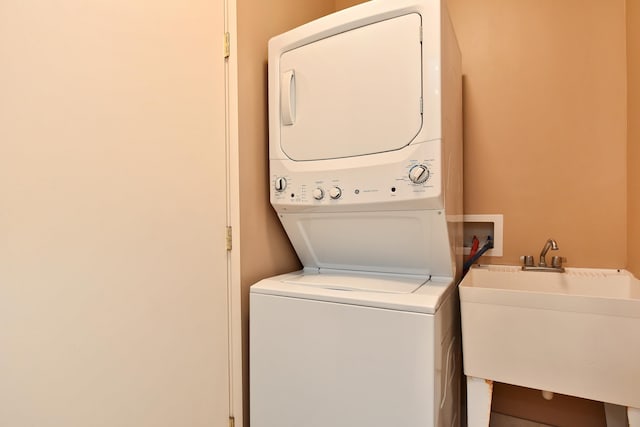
233	219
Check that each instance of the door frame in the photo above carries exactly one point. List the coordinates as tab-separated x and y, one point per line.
233	217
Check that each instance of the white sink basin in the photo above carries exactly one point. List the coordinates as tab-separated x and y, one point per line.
575	333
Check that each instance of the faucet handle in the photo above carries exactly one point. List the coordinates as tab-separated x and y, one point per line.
556	261
527	260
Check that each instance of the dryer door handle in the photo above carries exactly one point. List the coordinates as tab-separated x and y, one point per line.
288	97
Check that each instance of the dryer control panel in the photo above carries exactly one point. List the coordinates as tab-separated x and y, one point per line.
412	181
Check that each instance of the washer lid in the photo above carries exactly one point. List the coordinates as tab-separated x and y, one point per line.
354	93
310	285
360	282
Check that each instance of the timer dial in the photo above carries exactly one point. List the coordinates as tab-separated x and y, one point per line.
280	184
418	174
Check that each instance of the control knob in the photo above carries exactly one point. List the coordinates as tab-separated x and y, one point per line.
280	184
419	174
335	193
318	194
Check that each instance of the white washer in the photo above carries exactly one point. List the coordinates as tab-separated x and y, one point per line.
365	155
345	350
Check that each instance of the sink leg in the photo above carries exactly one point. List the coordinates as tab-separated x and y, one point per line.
616	415
479	392
634	416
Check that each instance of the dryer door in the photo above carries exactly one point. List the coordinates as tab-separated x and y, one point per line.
354	93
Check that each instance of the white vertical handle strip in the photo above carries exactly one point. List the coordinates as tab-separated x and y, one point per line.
616	415
479	393
288	97
634	416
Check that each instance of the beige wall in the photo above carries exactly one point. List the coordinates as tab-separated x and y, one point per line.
265	249
342	4
633	129
562	410
544	123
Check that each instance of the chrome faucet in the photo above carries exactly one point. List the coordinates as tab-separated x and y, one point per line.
556	261
550	244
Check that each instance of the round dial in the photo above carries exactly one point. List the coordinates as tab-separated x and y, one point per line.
280	184
318	194
419	174
335	193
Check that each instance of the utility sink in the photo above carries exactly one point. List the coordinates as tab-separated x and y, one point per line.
575	333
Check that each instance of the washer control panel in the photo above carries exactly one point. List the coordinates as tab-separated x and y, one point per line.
418	177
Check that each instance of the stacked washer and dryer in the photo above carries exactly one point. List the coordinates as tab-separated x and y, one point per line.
365	133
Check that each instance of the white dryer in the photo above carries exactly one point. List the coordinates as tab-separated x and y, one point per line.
365	161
